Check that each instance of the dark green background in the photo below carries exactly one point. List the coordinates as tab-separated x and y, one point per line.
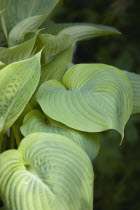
117	168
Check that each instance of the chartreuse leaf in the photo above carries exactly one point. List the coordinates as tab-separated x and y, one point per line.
92	98
17	53
35	122
80	31
53	45
18	81
16	35
47	172
135	82
16	11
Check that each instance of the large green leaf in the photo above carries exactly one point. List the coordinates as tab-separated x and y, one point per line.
16	11
18	81
47	172
92	98
135	82
53	45
35	122
80	31
17	53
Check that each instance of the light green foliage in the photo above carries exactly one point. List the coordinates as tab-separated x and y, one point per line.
16	11
59	107
18	81
48	171
35	122
92	98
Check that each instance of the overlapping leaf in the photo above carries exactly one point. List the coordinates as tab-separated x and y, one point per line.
57	67
47	172
80	31
24	16
16	35
18	81
135	81
35	122
16	11
17	53
92	98
53	45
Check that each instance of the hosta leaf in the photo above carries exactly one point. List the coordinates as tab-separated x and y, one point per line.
135	82
92	98
16	35
80	31
47	172
53	45
18	81
16	11
17	53
35	122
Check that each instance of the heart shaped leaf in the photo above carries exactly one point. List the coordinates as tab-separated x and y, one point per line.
47	172
92	98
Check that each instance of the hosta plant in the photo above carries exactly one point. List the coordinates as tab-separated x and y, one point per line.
52	111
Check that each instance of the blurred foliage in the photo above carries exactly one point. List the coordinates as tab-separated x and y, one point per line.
117	168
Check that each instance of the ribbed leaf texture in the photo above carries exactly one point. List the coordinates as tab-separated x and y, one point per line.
92	98
18	82
36	122
47	172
